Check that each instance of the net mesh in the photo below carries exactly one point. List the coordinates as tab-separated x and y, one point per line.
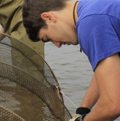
29	89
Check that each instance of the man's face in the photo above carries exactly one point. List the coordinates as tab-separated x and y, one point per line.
59	33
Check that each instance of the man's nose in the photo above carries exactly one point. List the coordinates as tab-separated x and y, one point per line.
57	44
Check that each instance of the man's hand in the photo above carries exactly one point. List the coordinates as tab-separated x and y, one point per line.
76	117
81	112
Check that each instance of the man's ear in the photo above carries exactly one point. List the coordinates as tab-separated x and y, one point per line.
48	17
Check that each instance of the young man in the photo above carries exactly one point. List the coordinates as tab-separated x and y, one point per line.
95	26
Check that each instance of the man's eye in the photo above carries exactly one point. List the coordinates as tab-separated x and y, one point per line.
48	40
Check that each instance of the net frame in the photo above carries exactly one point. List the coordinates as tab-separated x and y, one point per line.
27	80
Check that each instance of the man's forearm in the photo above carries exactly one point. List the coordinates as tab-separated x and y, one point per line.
91	95
99	113
107	76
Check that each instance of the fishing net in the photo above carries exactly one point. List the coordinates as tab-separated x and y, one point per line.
29	90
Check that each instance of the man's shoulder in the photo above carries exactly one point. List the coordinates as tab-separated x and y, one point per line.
98	7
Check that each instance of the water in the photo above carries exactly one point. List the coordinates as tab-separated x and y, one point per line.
72	70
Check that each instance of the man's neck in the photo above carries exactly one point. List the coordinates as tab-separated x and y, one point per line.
66	14
72	9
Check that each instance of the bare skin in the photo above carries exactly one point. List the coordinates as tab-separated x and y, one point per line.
91	95
108	78
56	22
104	89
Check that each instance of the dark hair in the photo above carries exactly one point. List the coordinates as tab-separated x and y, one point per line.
32	10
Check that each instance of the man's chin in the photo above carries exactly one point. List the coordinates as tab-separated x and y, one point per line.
68	44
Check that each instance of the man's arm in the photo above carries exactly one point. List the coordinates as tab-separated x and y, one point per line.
107	76
91	95
1	36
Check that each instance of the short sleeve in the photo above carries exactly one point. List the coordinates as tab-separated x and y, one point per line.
99	37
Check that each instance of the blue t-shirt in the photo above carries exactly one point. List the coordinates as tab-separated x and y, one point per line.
98	29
